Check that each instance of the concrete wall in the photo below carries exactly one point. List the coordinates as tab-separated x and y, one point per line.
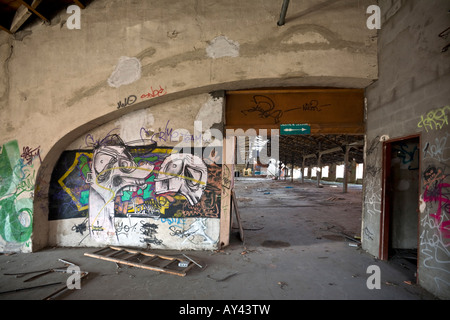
57	85
411	97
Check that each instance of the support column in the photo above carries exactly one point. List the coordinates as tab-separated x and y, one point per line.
279	170
332	173
303	169
292	169
319	166
345	184
285	168
228	157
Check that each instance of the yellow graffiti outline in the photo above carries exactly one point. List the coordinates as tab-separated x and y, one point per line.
69	171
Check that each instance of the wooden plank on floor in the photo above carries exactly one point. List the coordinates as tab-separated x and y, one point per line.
164	268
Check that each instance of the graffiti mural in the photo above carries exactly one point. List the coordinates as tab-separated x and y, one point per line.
17	176
112	170
119	181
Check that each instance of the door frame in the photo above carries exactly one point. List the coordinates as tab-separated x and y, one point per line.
386	196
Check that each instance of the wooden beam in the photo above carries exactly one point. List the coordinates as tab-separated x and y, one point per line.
292	90
78	3
4	29
34	11
327	111
22	14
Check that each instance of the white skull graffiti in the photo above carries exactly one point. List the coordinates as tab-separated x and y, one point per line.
182	173
113	169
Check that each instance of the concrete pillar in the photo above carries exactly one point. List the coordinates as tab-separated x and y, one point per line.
279	170
352	172
303	169
344	188
292	170
319	166
332	173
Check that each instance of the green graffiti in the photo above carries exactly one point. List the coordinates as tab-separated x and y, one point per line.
16	219
84	199
16	177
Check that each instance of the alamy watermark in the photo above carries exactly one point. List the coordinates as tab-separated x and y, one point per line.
74	20
374	280
212	140
374	21
74	280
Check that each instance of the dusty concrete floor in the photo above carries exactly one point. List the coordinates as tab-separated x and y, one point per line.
294	249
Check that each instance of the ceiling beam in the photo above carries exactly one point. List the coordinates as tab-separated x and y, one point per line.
78	3
21	16
34	10
4	29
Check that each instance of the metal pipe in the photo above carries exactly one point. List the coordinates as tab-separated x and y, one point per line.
284	9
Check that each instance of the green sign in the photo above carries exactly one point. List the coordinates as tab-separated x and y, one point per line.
291	129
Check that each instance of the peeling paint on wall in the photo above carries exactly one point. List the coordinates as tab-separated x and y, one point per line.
128	70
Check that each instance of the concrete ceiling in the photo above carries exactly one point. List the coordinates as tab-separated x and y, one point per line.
331	148
294	149
15	14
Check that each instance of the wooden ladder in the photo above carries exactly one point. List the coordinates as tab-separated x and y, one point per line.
144	260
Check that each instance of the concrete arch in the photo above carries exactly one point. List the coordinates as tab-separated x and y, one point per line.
41	202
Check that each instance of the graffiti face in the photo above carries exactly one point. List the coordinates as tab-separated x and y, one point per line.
113	169
182	173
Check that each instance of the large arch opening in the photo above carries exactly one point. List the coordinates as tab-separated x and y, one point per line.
303	181
40	236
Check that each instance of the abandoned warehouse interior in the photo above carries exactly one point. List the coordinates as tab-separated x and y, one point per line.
257	142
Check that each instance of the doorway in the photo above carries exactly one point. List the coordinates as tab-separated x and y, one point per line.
400	216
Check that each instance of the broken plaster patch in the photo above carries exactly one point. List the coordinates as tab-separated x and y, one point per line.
221	47
210	113
127	71
307	37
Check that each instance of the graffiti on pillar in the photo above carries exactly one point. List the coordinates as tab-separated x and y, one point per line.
437	196
372	196
435	119
116	180
17	180
435	211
